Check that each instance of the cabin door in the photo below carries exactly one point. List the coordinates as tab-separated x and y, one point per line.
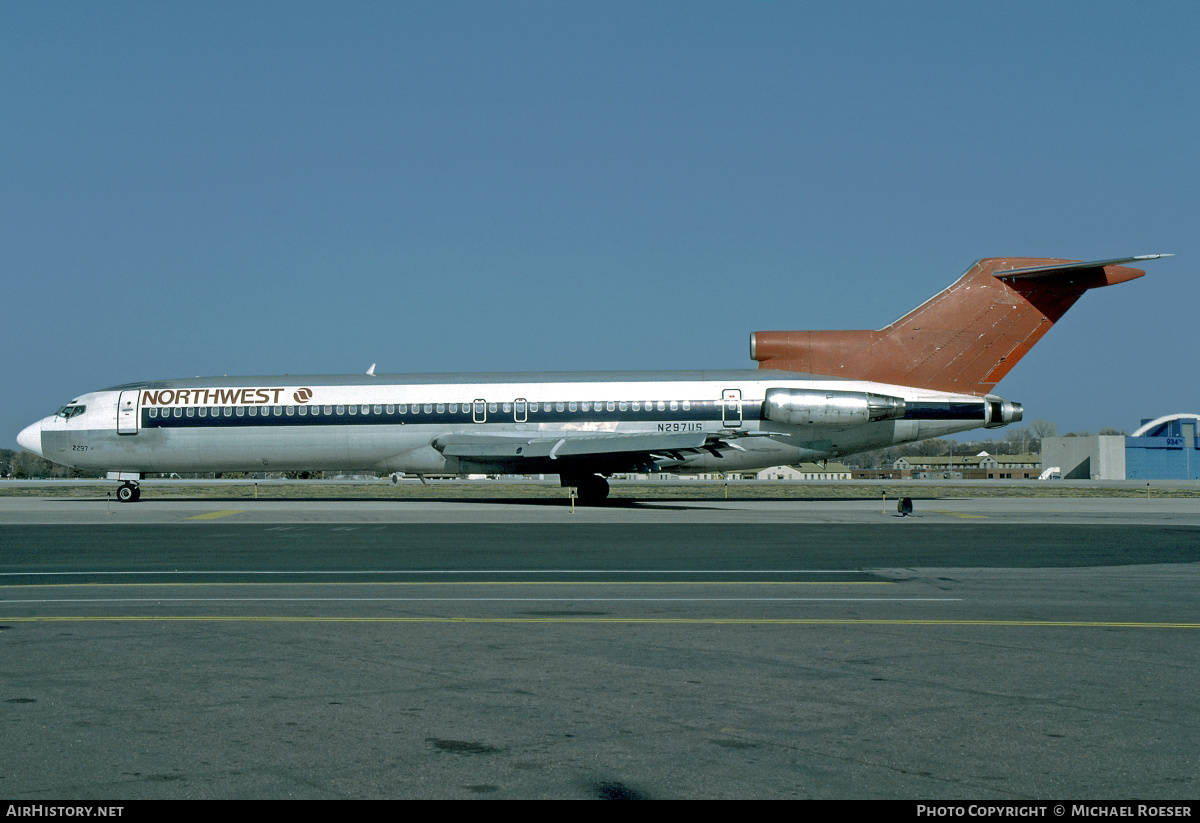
731	408
127	412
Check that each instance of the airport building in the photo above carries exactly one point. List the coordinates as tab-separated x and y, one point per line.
806	471
982	466
1164	448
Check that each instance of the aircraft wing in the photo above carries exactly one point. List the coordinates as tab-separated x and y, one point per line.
600	451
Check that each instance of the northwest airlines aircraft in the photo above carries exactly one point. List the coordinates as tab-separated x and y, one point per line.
815	395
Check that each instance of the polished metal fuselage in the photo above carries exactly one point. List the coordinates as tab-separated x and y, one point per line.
349	423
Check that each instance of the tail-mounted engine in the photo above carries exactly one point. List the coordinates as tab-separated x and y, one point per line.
1001	412
812	407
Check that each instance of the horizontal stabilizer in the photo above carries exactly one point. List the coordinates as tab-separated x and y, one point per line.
1064	268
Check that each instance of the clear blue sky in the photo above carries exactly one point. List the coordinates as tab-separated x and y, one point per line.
263	188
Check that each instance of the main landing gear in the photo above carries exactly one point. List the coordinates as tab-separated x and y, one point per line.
592	488
128	492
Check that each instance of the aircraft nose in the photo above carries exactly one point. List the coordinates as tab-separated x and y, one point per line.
30	438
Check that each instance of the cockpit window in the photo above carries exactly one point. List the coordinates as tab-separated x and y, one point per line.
68	411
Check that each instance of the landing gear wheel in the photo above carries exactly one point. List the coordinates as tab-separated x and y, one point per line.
128	493
593	489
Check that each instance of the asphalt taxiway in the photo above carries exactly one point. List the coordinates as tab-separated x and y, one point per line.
231	648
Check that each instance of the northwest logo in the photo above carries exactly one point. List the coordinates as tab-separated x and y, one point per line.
302	395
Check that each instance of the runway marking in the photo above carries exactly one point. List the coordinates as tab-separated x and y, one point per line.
959	514
452	571
215	515
490	600
475	583
694	621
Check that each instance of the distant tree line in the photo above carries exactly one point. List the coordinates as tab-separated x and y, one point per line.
1015	441
19	464
1026	440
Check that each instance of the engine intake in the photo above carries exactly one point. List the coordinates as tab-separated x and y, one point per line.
812	407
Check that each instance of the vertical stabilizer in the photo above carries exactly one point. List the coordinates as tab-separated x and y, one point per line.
964	339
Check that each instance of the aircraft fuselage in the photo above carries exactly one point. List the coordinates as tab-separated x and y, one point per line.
408	423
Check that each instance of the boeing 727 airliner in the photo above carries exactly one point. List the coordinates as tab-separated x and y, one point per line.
815	395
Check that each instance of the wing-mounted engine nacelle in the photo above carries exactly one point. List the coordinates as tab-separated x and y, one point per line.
812	407
1001	412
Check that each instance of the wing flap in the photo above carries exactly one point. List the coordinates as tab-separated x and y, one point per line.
502	447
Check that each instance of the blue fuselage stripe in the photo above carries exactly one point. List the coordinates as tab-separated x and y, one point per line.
314	415
944	411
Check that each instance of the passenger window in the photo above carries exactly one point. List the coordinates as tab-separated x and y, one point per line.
253	411
228	411
278	410
506	407
662	406
558	406
587	407
302	410
340	409
637	406
533	406
623	406
687	405
291	410
191	411
674	405
241	411
441	407
327	410
354	409
611	405
428	408
366	409
572	406
404	408
203	411
379	409
491	408
154	412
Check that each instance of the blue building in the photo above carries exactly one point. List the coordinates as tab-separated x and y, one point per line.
1164	448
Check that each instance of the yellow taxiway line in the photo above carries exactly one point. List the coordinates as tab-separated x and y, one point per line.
215	515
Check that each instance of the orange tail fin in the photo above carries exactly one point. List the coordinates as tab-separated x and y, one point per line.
964	339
